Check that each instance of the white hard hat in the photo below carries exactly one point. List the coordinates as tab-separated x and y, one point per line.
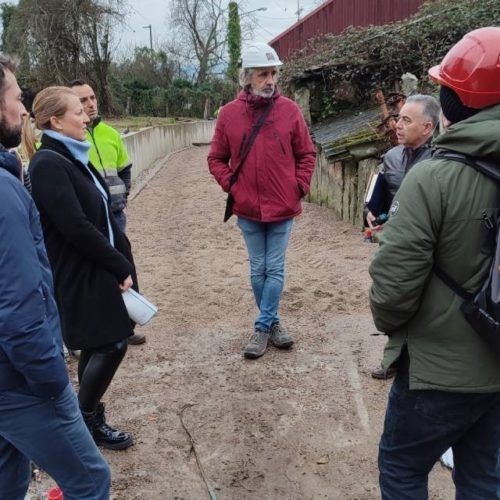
259	55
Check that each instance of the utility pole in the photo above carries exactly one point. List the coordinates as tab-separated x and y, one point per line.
299	10
150	28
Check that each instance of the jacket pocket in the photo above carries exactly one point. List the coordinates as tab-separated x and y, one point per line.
299	190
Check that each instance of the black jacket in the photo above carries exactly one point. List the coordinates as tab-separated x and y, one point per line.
399	160
87	269
396	163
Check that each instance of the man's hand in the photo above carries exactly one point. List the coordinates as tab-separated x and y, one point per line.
370	218
127	283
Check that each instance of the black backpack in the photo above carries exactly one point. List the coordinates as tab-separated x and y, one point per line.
482	308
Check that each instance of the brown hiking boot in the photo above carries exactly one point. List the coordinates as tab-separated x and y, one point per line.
383	374
280	337
137	339
257	345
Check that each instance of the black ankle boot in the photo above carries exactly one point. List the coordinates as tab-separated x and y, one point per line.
104	435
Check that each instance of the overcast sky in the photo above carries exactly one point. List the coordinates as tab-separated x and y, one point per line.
279	16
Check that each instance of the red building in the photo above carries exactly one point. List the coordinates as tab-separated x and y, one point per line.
334	16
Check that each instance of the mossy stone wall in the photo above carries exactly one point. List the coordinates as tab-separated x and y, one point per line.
341	186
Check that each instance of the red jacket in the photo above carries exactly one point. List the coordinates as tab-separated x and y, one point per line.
278	169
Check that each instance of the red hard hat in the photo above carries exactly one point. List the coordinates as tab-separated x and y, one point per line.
472	68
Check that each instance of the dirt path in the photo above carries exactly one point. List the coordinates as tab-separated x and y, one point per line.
262	428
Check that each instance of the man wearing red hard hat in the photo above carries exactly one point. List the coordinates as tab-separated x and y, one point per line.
447	389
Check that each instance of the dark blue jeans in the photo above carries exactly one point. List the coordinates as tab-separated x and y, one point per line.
51	433
421	425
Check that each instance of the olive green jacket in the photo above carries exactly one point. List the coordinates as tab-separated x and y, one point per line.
437	217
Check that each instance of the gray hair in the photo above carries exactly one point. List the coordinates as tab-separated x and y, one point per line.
246	74
430	107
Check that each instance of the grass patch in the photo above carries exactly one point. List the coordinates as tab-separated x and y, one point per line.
134	123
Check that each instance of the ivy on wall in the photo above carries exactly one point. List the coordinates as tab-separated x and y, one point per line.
370	58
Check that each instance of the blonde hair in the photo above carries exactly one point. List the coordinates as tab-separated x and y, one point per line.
48	103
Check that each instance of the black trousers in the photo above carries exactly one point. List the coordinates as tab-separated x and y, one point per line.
96	370
420	425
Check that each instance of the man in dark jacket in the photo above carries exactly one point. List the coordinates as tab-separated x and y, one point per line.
39	415
447	388
274	177
417	121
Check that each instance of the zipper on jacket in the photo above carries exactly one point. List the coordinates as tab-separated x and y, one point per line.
280	143
487	220
91	131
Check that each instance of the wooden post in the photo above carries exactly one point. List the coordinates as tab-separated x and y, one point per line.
207	107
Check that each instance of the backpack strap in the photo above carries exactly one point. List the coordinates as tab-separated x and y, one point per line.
487	168
451	283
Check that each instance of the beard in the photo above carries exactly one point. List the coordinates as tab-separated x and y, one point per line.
266	93
10	137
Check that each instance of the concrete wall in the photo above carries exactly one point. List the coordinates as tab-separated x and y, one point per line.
341	186
150	145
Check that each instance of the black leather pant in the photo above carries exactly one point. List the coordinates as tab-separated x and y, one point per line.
96	370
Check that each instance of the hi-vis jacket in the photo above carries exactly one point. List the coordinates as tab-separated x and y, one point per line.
110	158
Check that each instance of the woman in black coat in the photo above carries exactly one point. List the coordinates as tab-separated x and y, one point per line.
90	257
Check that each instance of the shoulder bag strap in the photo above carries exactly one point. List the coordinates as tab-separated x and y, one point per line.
247	146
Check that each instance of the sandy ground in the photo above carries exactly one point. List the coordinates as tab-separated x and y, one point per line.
302	424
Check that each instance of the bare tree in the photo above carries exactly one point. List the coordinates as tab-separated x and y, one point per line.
199	34
199	28
59	40
97	28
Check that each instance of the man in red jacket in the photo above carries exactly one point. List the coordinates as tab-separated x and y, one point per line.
270	184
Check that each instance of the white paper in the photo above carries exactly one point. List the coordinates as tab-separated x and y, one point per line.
447	458
371	186
138	307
